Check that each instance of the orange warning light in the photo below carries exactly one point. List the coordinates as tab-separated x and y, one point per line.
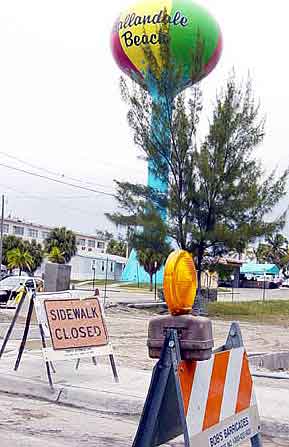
180	282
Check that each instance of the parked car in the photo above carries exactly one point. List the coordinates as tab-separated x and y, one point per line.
10	285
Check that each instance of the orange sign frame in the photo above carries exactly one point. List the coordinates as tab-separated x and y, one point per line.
75	323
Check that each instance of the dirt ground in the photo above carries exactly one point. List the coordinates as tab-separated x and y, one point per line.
128	332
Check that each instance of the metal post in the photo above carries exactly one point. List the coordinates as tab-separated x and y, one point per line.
105	284
156	266
127	239
93	280
137	272
1	233
199	305
12	324
264	288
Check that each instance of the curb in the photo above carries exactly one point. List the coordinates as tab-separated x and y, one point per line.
102	402
82	398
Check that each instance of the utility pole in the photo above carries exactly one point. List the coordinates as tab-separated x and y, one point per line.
1	233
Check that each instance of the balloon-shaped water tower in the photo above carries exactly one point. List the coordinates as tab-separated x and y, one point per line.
185	29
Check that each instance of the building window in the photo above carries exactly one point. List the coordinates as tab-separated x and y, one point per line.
111	266
102	266
91	244
45	234
19	231
100	245
5	228
81	242
32	233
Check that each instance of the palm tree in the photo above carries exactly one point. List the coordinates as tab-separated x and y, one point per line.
20	259
56	256
274	251
151	245
64	239
36	251
9	243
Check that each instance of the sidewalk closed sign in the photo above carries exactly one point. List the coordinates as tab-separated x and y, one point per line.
75	323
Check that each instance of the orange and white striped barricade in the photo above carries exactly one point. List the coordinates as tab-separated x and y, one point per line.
211	403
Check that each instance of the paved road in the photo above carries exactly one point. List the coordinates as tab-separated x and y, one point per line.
31	423
254	294
116	295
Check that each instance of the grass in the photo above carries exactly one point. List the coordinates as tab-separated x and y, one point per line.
97	282
271	311
136	286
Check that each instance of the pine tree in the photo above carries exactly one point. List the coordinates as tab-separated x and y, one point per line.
219	196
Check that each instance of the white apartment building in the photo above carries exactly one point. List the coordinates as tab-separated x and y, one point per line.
86	244
90	259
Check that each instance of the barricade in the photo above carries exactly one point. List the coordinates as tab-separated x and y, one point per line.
205	396
69	328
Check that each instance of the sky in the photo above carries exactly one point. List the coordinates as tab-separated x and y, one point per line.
61	114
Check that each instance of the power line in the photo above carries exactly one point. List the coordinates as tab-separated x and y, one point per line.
57	174
26	196
23	171
46	196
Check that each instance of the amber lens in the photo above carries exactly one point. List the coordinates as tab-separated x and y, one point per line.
180	282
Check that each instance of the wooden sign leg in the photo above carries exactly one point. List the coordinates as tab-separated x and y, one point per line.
52	368
113	367
256	441
94	361
46	363
12	324
25	334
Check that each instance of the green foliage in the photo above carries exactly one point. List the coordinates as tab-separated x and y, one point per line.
56	256
36	251
33	248
219	196
64	239
253	310
9	243
117	247
18	258
150	243
274	251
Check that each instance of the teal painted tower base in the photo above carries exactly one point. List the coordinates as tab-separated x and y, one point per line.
161	116
136	274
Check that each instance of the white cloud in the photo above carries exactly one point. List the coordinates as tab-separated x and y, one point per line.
60	106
